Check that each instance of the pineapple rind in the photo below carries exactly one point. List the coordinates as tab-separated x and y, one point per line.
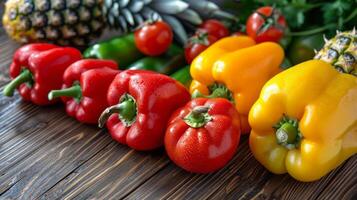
76	22
64	22
341	52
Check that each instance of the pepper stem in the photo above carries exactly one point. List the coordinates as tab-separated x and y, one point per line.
287	133
217	91
126	110
75	91
198	117
23	77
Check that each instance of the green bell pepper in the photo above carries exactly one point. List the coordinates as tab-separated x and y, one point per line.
168	63
121	49
183	76
163	65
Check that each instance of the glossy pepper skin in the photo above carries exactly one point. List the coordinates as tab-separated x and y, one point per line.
235	68
37	69
141	104
305	121
121	49
203	135
84	89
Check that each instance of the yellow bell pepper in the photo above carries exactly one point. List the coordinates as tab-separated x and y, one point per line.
235	68
305	121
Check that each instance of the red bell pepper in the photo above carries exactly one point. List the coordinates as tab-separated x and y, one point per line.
141	104
203	135
84	90
37	69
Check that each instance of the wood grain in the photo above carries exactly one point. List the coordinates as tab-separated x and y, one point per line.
43	151
2	4
7	48
344	184
174	182
112	173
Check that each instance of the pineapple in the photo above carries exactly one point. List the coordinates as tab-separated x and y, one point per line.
341	52
71	22
77	22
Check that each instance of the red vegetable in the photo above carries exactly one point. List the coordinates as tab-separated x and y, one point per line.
85	88
37	69
154	38
215	28
141	104
197	44
266	24
203	135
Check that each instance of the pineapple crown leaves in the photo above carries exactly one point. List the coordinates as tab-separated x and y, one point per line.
182	15
209	9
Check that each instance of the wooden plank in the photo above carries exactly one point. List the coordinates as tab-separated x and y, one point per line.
26	134
40	146
7	48
274	187
175	182
244	178
343	185
113	173
34	159
2	5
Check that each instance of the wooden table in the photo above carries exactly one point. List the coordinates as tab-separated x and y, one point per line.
45	154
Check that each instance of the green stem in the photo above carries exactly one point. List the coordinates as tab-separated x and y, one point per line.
321	29
351	16
312	31
75	91
217	91
126	109
287	133
198	117
23	77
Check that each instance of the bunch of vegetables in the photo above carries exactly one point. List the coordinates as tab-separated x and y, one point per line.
197	102
308	22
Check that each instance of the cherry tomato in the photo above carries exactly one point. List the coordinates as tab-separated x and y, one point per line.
153	39
266	24
215	28
197	44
